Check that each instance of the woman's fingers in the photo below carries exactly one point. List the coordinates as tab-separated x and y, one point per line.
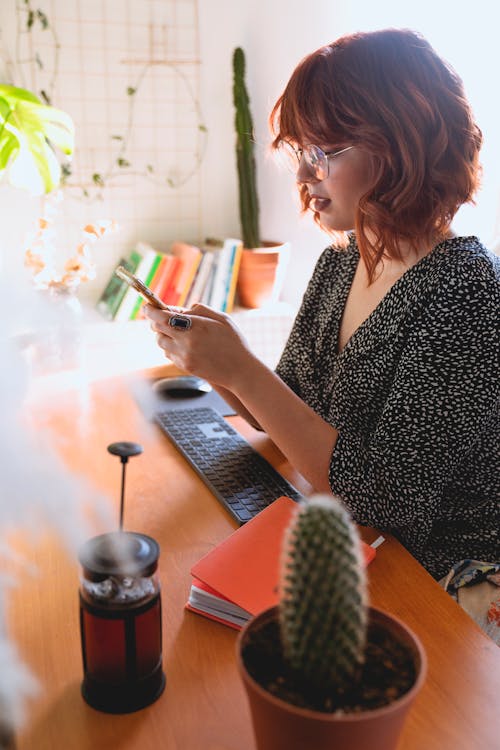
167	322
207	312
202	341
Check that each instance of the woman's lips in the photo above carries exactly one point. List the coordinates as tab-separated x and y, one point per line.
319	204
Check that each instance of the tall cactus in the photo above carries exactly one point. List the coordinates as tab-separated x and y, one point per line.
247	180
323	612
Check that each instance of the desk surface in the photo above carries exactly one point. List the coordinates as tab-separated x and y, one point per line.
204	706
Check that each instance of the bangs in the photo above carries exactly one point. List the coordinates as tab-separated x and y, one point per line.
306	111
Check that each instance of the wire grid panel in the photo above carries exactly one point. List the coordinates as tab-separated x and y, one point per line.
127	71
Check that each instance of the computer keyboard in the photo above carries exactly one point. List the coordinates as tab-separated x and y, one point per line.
239	477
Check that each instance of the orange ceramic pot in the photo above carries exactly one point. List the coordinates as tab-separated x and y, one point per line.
261	274
281	726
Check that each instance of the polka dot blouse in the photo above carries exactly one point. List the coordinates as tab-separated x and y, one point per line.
414	396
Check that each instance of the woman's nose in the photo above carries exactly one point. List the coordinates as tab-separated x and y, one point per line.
304	173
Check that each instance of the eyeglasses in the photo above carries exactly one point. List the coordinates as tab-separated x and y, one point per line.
317	160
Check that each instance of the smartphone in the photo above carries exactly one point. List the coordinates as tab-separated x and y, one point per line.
140	287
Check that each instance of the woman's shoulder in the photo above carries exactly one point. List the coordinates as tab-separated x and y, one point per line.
467	259
460	278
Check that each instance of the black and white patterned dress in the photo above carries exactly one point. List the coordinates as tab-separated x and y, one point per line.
414	396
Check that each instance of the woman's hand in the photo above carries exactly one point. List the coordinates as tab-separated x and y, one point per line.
212	347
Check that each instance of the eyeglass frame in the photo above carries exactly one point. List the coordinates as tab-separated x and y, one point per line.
299	152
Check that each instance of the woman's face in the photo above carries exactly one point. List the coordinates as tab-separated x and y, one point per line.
337	197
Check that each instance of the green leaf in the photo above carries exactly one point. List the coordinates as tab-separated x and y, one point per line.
122	162
12	94
43	19
29	133
66	171
131	90
9	146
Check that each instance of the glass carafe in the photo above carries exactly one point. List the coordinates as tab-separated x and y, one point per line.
120	622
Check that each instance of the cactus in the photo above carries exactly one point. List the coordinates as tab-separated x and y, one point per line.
248	201
323	611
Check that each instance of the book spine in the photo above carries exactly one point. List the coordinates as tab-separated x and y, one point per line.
112	290
209	286
201	279
233	279
220	281
190	256
131	297
131	265
115	289
169	293
157	281
188	279
187	300
147	280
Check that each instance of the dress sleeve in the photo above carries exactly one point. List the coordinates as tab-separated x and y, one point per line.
443	396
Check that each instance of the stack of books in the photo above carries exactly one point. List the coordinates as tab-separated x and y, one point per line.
184	275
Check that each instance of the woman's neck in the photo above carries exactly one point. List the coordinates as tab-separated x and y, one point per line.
410	255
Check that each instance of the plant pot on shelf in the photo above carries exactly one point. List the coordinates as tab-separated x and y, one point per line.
280	725
261	273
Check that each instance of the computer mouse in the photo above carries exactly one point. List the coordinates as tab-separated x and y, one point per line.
186	386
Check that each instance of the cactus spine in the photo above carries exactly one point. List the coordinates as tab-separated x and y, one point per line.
323	611
248	201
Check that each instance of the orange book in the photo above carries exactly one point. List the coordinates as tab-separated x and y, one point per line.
239	578
158	279
190	255
168	292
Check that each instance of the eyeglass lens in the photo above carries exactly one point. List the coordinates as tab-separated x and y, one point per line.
315	159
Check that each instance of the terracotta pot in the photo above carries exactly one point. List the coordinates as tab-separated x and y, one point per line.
261	274
281	726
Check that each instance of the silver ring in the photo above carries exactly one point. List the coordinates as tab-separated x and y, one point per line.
180	321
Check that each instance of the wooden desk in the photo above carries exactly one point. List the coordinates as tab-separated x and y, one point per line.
203	706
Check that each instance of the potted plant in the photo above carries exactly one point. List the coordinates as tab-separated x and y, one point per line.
263	264
322	670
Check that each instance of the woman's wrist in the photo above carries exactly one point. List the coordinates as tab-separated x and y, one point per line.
248	376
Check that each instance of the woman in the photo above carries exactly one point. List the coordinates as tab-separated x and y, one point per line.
387	388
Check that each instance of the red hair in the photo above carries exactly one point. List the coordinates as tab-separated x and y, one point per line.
390	94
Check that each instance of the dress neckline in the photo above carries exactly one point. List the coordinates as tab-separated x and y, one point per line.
361	333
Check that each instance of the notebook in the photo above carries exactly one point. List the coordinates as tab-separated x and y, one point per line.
239	578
